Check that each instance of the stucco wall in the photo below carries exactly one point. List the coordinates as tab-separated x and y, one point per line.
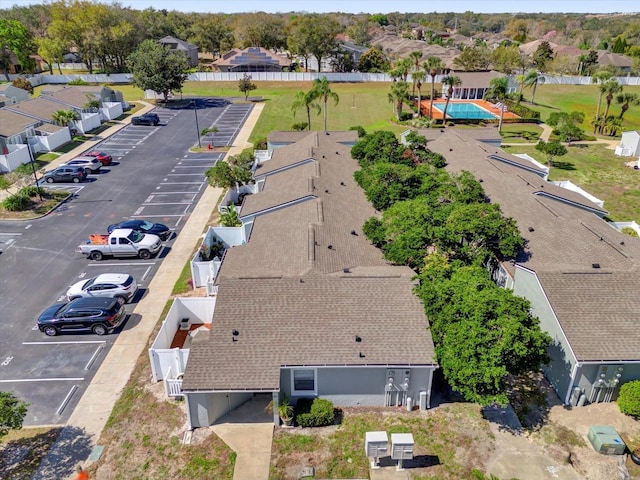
206	408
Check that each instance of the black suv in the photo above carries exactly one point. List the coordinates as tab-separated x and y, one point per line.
97	314
146	119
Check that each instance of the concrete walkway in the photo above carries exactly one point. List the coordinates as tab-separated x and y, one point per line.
90	415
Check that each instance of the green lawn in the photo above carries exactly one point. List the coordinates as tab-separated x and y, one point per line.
597	170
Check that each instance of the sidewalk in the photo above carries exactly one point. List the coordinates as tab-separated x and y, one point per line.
88	145
92	412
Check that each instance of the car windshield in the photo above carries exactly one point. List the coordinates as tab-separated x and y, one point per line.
89	283
146	225
135	237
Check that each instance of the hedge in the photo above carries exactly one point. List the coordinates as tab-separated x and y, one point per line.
317	412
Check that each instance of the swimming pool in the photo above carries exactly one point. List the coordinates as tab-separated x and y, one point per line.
464	110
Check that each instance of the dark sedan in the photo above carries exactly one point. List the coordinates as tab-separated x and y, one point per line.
143	226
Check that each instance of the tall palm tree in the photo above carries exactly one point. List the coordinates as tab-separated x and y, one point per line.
532	79
611	88
450	81
397	95
627	99
599	78
498	89
401	69
432	65
321	89
308	101
415	59
520	79
418	78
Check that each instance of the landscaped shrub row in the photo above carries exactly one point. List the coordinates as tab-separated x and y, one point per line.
522	111
21	200
317	412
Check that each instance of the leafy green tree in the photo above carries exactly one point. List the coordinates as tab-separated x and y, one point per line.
379	18
517	29
566	125
588	62
260	29
473	59
158	68
51	50
600	77
322	90
12	413
626	99
373	61
212	33
543	56
506	58
313	35
358	32
397	95
379	146
14	40
551	149
532	79
619	45
432	65
387	183
245	85
224	175
306	100
498	89
450	81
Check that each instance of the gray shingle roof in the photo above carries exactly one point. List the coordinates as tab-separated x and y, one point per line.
40	108
12	123
312	322
597	308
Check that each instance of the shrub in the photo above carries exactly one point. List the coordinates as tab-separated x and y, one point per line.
24	84
260	144
299	127
630	231
16	202
317	412
629	399
360	129
31	191
78	81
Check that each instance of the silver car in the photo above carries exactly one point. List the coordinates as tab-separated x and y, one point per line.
90	164
120	286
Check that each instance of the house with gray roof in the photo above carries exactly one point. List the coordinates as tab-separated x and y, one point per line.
580	274
307	306
252	59
109	103
43	109
189	49
13	94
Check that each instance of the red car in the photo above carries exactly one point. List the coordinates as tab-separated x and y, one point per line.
104	158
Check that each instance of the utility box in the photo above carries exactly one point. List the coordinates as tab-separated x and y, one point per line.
401	447
376	445
605	439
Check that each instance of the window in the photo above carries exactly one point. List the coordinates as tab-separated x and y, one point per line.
303	381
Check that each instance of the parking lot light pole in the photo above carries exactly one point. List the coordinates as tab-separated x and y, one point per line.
33	167
195	111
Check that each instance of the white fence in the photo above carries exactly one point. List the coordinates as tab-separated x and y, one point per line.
354	77
161	355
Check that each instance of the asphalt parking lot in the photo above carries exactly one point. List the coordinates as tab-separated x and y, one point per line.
153	176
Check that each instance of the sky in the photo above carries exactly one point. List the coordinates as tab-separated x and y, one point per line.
376	6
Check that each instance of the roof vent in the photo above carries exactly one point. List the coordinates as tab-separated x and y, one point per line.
326	133
322	156
337	153
330	247
358	338
346	270
235	332
531	229
622	242
595	265
353	232
326	191
480	180
441	130
451	149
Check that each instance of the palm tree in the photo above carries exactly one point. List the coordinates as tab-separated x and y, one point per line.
64	117
322	90
433	64
611	88
415	58
397	95
520	79
418	78
401	69
450	81
532	79
498	89
627	99
308	101
600	77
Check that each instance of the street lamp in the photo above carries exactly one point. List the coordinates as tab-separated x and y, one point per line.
195	111
33	167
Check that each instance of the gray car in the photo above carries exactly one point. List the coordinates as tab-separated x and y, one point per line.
120	286
89	164
66	173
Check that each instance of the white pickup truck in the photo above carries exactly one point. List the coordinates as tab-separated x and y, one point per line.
122	242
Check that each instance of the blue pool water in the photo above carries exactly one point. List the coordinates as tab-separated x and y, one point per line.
465	111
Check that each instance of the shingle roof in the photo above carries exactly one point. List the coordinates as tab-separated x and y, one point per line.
597	308
78	97
12	123
40	108
312	322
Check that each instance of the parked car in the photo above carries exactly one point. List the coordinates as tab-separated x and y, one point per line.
122	242
120	286
66	173
103	157
98	315
90	164
146	119
143	226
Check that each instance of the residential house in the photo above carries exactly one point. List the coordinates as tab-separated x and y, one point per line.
43	108
252	59
189	49
307	307
621	62
629	144
78	97
13	94
474	84
580	274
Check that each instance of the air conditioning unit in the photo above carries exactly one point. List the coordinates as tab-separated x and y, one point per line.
184	324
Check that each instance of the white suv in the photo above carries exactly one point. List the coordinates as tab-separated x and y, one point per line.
90	164
120	286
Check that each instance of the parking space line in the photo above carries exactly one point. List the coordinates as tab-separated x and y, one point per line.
64	403
57	379
185	174
98	264
62	343
145	274
182	183
167	203
150	216
94	356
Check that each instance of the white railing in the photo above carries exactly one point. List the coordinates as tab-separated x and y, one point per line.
211	288
172	386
